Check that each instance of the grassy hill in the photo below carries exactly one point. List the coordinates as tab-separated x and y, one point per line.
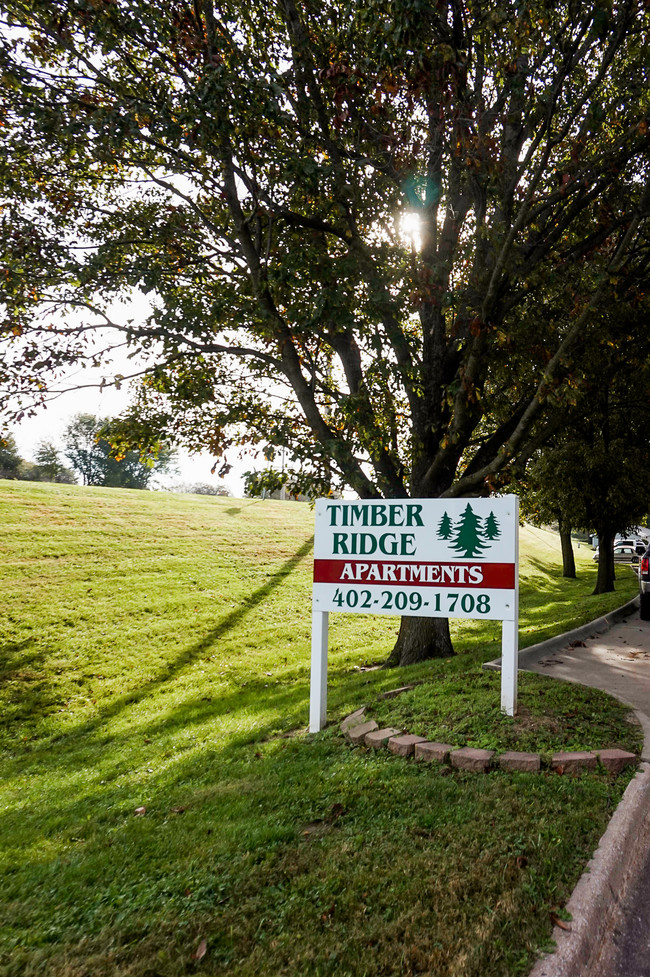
163	810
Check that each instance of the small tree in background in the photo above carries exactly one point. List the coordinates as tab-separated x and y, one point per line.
80	446
201	488
90	451
10	460
48	465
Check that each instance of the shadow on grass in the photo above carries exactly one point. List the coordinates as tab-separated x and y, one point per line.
553	581
236	510
187	657
254	838
13	657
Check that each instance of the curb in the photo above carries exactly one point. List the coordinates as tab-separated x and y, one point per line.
599	626
621	851
596	897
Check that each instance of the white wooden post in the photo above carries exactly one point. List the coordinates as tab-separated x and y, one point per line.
510	640
509	666
318	685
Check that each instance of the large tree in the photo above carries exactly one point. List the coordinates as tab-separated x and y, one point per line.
598	477
594	474
255	168
545	496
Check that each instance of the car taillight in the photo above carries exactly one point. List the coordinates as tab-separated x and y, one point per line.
644	564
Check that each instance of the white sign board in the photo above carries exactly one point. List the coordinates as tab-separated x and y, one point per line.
419	557
428	558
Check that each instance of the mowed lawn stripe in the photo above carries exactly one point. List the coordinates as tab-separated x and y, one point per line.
159	787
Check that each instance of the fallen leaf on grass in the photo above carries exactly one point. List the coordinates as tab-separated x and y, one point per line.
139	811
314	826
200	951
555	919
327	915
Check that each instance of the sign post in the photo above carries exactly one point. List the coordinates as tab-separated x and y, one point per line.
318	688
418	557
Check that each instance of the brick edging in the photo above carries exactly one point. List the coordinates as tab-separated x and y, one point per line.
402	743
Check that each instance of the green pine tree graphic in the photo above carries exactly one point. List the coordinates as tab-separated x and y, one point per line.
492	530
445	527
469	539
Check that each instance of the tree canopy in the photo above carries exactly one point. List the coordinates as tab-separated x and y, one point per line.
248	165
596	472
254	169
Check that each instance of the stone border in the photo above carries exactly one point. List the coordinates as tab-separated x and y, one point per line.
595	902
401	743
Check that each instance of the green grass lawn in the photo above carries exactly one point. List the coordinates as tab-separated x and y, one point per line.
163	810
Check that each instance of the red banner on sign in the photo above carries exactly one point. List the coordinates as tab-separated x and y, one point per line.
489	576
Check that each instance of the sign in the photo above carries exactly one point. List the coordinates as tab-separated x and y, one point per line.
419	557
427	558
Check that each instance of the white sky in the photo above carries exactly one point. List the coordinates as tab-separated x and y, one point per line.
50	424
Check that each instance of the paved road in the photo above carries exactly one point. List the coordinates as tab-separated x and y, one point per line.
627	952
617	661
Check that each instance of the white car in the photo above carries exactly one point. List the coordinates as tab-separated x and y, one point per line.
626	551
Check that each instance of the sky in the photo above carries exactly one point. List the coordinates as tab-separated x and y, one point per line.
49	425
86	395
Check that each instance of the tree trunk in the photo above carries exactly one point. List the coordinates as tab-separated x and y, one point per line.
568	559
419	639
605	578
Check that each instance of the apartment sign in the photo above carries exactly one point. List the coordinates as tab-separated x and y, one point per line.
426	557
418	557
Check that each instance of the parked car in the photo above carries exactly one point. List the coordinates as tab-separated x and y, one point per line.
632	540
644	585
626	551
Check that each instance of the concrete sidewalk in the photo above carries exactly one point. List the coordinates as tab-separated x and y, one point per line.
612	653
610	908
